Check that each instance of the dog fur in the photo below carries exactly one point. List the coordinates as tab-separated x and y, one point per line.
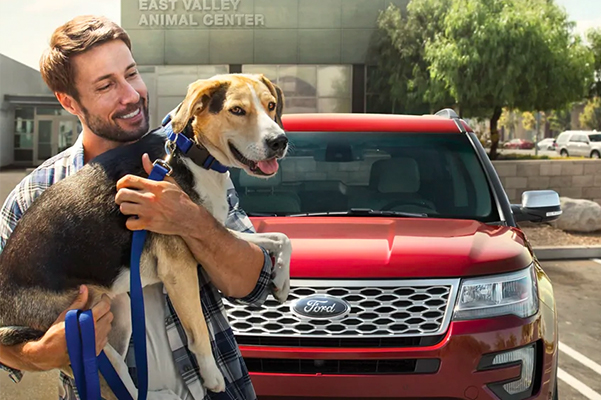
74	233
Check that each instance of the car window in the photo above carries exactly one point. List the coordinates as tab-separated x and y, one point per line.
595	137
580	138
436	174
563	137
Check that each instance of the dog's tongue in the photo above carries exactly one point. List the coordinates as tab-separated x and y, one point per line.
268	167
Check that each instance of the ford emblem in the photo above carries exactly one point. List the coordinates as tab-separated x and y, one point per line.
321	306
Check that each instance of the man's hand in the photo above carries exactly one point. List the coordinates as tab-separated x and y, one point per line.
50	351
158	206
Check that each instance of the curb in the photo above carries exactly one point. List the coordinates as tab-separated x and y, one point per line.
544	253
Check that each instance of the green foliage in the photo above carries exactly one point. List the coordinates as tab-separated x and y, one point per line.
559	120
402	75
514	53
528	120
593	36
591	116
520	54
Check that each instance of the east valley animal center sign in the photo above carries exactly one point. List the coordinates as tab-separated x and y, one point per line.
195	13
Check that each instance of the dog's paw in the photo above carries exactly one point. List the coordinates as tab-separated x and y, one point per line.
281	293
211	375
281	271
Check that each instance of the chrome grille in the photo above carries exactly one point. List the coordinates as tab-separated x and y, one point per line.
378	309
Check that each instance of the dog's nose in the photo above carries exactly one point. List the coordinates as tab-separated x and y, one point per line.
277	144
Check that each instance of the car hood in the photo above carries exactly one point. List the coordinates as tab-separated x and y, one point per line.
374	247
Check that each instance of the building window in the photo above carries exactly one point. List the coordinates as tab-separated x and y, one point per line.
24	125
170	84
310	88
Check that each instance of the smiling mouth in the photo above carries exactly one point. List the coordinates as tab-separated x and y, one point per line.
131	114
263	168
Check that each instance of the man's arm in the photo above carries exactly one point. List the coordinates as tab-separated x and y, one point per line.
50	351
233	265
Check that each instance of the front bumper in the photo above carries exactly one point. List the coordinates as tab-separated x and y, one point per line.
457	377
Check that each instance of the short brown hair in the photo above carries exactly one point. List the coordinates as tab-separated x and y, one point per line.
75	37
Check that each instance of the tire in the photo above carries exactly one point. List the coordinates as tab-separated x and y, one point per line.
595	154
564	153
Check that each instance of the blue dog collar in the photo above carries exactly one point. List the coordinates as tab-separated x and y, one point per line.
198	154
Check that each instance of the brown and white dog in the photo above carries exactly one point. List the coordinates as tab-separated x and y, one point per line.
74	234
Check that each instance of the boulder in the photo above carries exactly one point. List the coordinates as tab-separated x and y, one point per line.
579	215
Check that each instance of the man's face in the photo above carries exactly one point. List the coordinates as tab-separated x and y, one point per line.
113	99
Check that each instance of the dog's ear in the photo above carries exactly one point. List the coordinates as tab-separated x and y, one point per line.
279	95
196	101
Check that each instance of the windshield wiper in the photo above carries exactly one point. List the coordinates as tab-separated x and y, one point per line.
253	214
366	212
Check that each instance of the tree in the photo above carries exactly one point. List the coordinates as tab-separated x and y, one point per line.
593	37
520	54
402	77
528	120
508	120
591	116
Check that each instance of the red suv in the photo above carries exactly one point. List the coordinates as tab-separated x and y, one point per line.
410	278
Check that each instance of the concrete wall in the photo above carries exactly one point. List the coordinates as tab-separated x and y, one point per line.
16	79
579	179
196	32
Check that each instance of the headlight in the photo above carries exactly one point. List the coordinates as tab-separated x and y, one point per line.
491	296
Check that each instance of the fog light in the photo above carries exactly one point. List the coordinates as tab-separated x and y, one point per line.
526	356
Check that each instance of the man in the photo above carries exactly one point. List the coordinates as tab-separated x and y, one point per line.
90	68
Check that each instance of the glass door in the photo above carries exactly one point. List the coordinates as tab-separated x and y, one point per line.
46	145
68	130
53	134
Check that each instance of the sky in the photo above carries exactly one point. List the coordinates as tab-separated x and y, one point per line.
26	25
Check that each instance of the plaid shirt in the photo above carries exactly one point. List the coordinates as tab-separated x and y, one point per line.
225	348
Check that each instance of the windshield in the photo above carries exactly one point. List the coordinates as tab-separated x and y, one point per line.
434	174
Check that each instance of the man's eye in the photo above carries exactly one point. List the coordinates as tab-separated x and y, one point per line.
105	87
133	74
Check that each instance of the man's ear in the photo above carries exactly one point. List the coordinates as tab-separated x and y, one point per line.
196	101
68	103
279	95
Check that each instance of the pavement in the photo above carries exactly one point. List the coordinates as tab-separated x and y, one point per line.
576	284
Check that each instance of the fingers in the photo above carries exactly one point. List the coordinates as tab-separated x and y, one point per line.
79	303
102	328
133	182
102	308
147	163
81	300
135	224
133	196
130	209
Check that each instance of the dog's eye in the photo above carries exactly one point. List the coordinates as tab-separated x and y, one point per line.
271	106
237	111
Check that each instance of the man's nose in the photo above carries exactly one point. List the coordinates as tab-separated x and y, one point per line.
129	94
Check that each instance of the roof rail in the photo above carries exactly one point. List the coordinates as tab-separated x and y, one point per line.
451	114
447	113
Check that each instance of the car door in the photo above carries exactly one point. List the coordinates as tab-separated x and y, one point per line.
585	146
573	145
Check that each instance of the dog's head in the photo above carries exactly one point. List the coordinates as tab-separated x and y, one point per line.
237	117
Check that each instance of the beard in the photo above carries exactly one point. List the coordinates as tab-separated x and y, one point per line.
112	131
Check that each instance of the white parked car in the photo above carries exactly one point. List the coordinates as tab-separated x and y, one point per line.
579	144
547	144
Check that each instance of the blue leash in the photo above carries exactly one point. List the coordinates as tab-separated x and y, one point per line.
79	325
81	339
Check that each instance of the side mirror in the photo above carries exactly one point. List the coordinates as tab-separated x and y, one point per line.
537	206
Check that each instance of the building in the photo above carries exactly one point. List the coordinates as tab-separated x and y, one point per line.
315	50
33	124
